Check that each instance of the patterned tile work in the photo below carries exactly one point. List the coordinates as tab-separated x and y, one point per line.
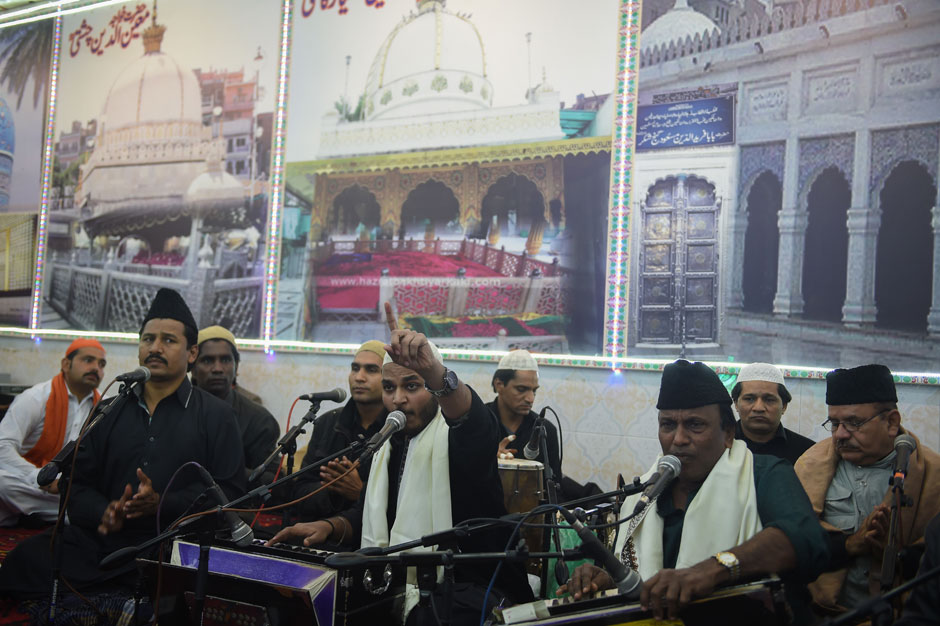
608	420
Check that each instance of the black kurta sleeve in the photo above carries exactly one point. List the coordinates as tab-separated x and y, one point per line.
88	499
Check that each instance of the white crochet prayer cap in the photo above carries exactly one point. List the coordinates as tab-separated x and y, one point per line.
434	351
761	371
519	360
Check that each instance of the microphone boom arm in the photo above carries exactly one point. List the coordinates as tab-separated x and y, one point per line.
288	443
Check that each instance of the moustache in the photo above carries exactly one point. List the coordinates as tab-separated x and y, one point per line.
154	357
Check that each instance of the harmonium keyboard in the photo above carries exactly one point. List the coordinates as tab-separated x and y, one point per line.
282	584
759	603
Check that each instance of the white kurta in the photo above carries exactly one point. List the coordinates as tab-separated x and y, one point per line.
20	429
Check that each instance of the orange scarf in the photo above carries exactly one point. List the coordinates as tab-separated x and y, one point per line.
53	429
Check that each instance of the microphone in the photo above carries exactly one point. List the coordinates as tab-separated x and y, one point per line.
531	450
667	470
337	395
51	470
904	445
393	423
628	582
139	375
239	531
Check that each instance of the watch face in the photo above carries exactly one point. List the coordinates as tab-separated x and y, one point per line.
450	380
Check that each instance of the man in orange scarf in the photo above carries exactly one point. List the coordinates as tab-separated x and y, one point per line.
39	422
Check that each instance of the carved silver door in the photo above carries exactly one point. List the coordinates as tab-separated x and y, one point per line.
678	262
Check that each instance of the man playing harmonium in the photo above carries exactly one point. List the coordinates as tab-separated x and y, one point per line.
729	515
438	471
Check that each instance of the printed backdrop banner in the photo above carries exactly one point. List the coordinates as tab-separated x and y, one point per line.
810	237
452	158
24	80
162	149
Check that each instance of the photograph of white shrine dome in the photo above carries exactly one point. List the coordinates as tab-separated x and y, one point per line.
161	168
459	168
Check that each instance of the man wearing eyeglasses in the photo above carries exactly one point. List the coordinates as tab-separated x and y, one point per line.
846	478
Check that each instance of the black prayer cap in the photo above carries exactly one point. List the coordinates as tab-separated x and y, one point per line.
689	385
860	385
169	304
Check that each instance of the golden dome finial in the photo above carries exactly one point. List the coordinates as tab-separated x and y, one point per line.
153	34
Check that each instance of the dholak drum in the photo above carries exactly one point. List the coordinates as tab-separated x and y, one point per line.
522	490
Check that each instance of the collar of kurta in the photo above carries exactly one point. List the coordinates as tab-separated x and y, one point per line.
183	393
780	434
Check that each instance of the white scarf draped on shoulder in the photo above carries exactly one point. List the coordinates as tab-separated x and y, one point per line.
423	506
722	515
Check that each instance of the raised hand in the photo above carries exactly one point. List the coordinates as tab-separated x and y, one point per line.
411	349
504	452
113	519
145	501
349	486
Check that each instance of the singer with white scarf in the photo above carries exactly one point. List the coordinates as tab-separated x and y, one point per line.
438	471
729	514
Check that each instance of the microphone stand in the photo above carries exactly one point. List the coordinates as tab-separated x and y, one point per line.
119	556
878	606
890	555
288	443
551	488
205	535
62	464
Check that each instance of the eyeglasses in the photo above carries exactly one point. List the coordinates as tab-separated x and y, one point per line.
852	426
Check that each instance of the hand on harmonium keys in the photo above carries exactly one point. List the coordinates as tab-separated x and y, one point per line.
586	579
312	533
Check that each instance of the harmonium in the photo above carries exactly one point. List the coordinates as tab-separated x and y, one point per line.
280	585
758	603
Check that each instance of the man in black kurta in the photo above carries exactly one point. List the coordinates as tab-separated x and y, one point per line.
124	466
416	382
358	420
215	371
760	398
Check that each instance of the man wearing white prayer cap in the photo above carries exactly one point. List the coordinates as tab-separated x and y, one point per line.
761	397
516	381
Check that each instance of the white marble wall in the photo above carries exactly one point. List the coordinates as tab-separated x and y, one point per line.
608	420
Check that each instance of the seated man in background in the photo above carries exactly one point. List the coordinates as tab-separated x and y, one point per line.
729	515
516	381
436	472
124	465
358	420
846	478
216	371
761	398
39	422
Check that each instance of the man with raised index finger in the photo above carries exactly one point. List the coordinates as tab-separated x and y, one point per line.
438	471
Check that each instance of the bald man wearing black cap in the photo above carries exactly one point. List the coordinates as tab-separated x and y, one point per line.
846	478
124	466
730	514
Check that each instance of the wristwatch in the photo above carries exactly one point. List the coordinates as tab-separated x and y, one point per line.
450	384
729	560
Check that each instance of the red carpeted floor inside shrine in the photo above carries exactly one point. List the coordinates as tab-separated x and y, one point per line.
9	537
350	281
